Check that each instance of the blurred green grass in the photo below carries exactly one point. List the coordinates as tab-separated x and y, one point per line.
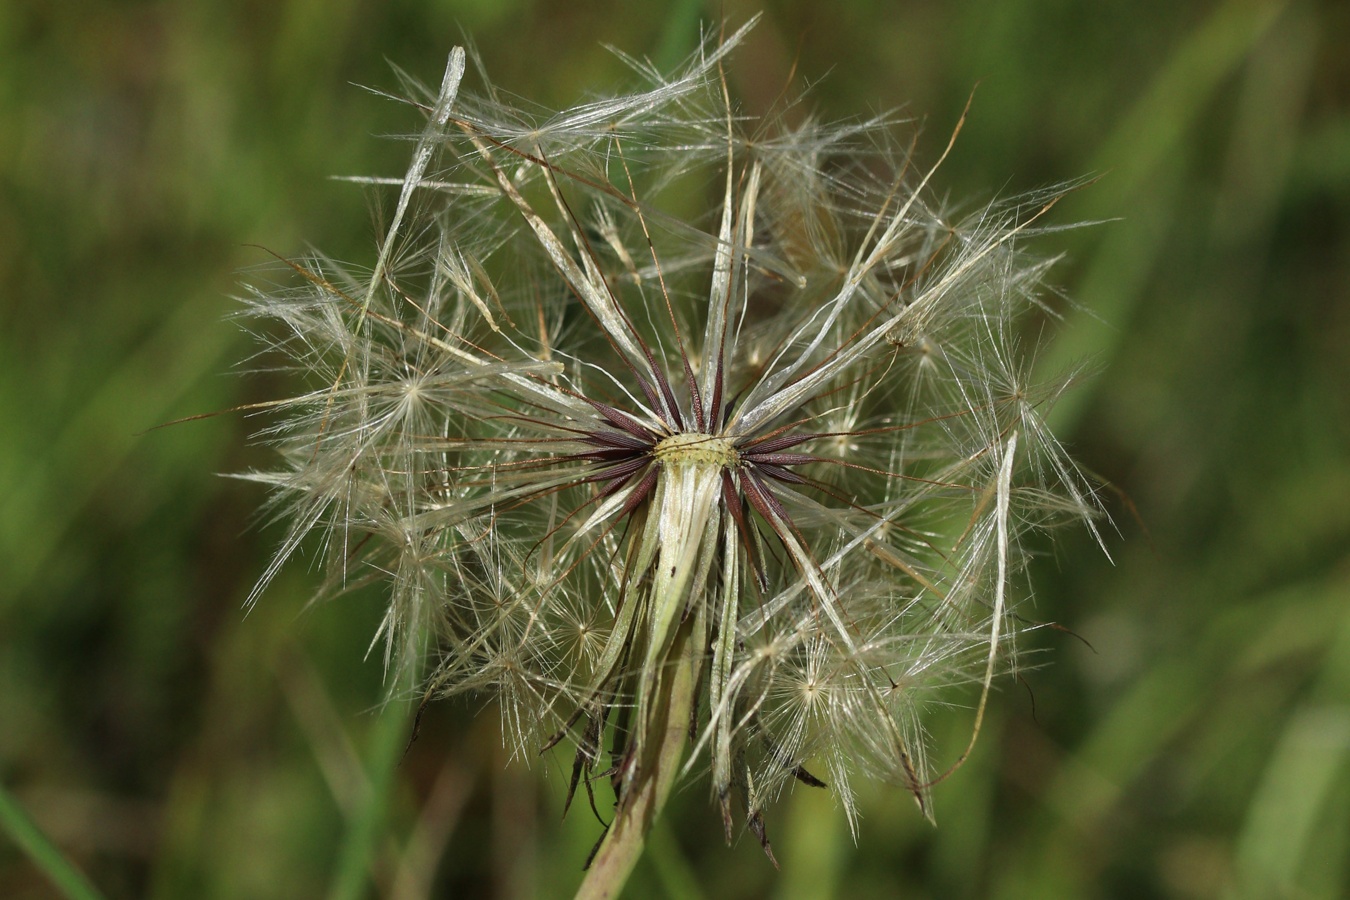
171	746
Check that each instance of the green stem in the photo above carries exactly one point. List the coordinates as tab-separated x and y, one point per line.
69	880
366	827
645	796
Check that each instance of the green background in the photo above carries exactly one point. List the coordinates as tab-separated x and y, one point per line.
171	746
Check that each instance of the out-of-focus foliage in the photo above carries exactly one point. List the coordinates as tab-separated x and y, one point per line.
173	747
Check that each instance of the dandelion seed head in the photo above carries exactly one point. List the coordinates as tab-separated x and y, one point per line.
575	429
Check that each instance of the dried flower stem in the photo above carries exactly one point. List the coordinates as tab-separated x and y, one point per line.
646	794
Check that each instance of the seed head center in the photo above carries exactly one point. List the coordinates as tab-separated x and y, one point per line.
695	449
